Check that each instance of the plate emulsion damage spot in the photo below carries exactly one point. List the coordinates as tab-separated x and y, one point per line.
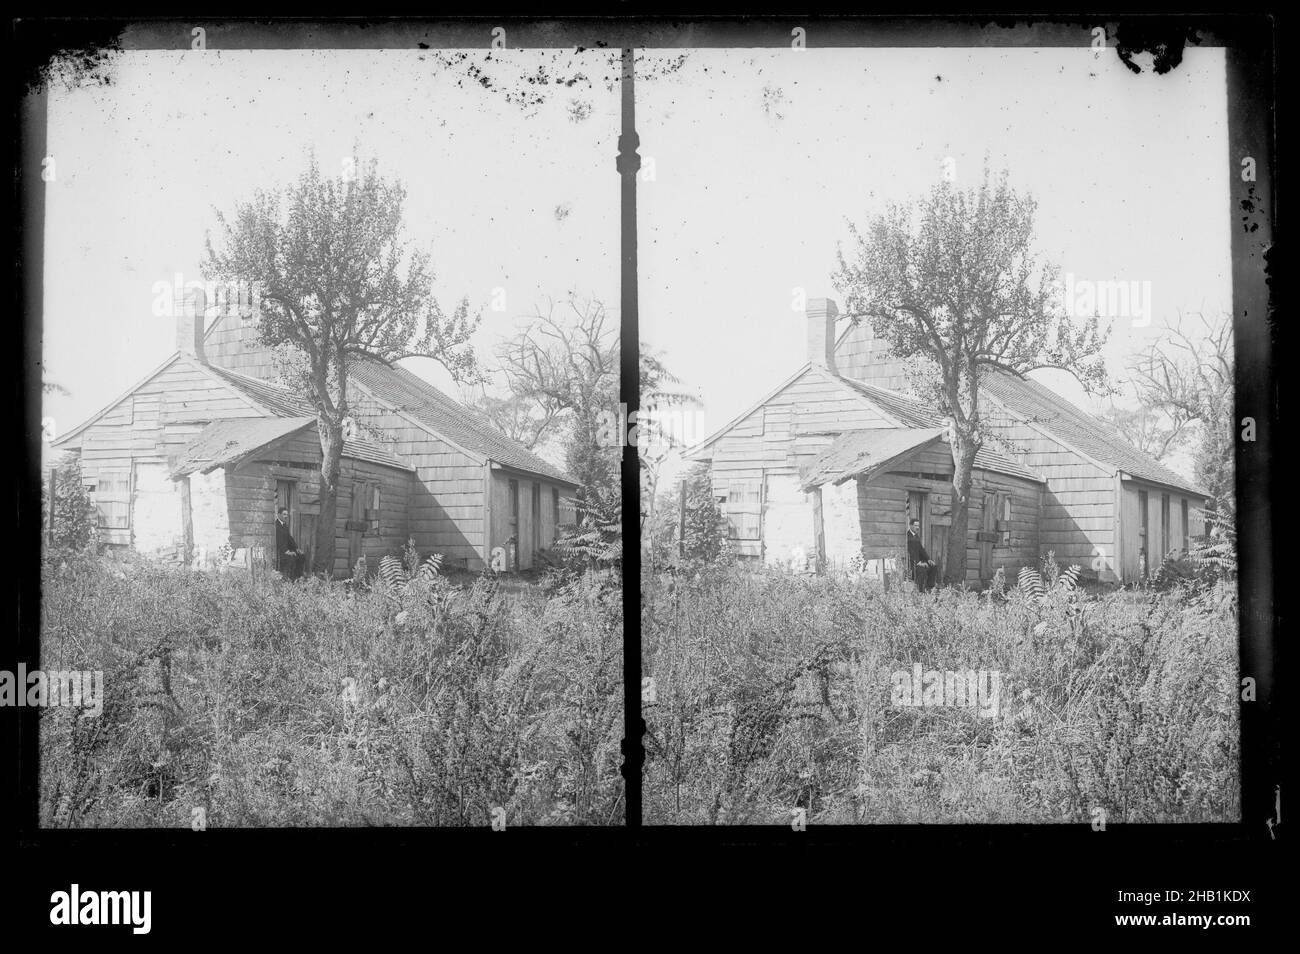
1164	40
69	53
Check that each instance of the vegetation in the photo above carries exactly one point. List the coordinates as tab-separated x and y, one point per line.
74	517
404	701
773	692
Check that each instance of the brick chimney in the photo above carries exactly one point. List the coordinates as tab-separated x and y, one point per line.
190	309
821	314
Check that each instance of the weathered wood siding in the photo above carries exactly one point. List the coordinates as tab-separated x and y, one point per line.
1079	506
151	426
251	499
775	440
505	529
859	355
882	508
232	342
1130	525
448	505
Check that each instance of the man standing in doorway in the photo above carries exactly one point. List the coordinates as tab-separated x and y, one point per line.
918	561
288	558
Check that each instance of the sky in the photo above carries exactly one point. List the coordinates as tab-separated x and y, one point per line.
521	197
761	157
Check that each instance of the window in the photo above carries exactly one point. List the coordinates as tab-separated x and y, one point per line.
372	513
1187	528
514	505
744	509
1164	524
1143	523
1004	512
555	509
113	500
535	515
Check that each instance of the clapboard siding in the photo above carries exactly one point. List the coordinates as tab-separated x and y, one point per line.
777	439
505	529
882	509
791	428
1079	506
446	510
251	498
148	428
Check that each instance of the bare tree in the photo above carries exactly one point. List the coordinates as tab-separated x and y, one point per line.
338	282
564	362
1186	375
519	418
1147	429
955	288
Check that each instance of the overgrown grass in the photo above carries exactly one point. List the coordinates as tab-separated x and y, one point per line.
773	692
267	703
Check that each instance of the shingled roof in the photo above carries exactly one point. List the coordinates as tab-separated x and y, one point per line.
915	414
864	452
279	401
1085	433
466	427
230	440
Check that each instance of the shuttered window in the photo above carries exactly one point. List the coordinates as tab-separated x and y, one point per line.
743	509
113	499
372	513
1187	527
1164	524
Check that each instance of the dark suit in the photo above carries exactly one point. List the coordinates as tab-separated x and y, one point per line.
290	564
918	562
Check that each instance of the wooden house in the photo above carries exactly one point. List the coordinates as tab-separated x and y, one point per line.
834	463
200	454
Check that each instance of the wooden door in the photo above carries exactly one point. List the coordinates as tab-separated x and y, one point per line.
307	541
356	515
988	523
938	549
284	497
512	548
918	508
537	517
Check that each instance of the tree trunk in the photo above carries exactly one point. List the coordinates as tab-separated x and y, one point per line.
331	443
963	461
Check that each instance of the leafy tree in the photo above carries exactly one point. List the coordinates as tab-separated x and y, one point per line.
955	288
704	540
338	282
655	437
74	518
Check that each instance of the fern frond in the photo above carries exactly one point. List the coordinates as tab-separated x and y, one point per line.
1031	585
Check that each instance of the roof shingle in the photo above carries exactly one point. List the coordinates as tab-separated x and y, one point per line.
863	452
229	440
915	414
1085	433
465	426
